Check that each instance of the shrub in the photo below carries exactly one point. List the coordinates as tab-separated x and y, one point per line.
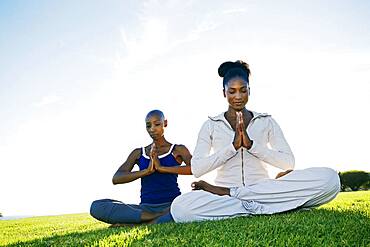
354	179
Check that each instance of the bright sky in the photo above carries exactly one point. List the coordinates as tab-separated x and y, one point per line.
77	78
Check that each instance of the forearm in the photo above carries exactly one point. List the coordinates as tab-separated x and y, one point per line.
202	165
125	177
221	191
278	153
278	158
202	162
217	190
183	170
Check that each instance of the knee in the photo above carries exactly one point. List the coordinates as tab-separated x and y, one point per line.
330	177
329	181
181	210
178	211
97	209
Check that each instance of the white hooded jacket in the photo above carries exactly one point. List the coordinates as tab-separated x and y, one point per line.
240	167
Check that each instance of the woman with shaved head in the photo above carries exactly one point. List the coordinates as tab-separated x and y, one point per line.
159	164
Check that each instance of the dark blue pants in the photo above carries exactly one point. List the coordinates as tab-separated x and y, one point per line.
116	212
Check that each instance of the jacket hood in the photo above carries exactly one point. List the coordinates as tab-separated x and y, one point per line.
221	117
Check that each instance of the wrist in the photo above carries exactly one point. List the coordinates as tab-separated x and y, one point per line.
149	171
221	191
159	168
227	191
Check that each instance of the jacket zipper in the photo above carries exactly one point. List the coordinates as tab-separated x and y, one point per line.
241	149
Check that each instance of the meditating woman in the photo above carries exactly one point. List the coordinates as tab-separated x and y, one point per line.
159	164
244	144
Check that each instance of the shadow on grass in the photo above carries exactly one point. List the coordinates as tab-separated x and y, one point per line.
317	227
126	235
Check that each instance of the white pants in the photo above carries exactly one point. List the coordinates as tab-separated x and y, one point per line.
300	188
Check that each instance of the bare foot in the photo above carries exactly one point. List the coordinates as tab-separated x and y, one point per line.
124	225
148	216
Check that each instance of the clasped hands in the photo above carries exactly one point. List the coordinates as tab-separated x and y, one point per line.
154	163
241	138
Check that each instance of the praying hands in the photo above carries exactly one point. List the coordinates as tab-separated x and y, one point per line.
241	138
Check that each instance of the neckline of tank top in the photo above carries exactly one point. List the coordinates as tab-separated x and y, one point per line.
159	156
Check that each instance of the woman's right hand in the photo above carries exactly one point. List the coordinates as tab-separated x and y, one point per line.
241	137
151	168
238	137
153	159
202	185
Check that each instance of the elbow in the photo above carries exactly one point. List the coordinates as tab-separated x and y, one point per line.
199	167
196	172
190	172
291	163
288	163
114	180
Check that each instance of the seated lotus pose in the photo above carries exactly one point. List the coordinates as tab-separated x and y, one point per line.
159	165
244	143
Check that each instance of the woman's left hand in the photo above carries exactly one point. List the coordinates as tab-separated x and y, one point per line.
280	174
246	142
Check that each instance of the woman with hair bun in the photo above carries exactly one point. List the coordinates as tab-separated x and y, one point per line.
244	144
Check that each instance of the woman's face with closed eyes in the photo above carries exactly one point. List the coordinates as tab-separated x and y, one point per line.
236	93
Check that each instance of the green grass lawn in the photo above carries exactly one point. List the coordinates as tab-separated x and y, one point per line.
343	222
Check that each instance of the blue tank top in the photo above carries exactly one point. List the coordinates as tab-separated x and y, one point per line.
159	187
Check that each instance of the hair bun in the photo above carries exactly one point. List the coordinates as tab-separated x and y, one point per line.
243	65
226	66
